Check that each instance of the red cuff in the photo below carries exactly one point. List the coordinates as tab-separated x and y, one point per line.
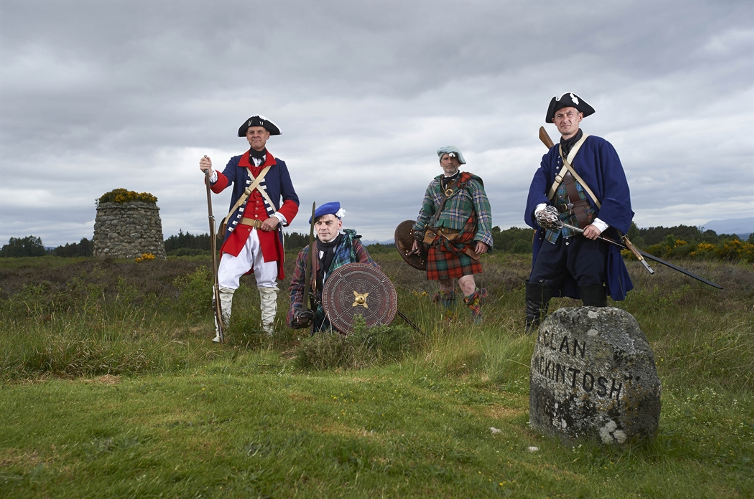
220	185
288	209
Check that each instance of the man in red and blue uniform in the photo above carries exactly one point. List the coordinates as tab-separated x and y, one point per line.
253	237
596	199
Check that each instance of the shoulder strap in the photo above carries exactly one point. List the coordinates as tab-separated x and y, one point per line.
567	167
266	197
449	191
583	184
249	190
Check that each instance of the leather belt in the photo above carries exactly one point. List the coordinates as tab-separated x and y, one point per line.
443	231
257	224
579	206
432	232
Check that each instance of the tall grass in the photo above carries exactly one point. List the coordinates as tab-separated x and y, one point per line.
135	401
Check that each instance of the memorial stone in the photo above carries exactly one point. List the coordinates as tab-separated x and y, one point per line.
128	230
593	377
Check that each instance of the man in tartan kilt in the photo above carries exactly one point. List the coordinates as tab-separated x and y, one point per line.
455	223
334	248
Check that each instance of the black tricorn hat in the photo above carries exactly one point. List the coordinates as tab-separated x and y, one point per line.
258	120
568	99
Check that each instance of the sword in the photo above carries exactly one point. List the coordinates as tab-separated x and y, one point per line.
647	255
403	316
310	298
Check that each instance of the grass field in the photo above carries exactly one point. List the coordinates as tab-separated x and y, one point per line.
110	387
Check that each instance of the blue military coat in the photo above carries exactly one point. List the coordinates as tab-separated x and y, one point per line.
599	166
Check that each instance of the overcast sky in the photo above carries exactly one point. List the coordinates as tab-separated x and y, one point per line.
103	94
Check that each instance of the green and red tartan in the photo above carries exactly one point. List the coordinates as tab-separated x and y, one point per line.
447	260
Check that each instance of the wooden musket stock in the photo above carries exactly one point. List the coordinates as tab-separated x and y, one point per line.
545	138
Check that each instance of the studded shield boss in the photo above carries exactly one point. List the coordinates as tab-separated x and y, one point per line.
359	289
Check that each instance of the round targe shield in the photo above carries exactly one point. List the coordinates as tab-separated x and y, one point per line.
359	289
404	239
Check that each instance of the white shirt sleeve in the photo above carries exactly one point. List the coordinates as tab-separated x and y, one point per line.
602	226
280	217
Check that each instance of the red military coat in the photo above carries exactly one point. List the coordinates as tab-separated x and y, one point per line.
240	171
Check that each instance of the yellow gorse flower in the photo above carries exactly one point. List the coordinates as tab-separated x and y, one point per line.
126	196
145	257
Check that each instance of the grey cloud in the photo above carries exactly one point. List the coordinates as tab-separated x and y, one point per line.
99	95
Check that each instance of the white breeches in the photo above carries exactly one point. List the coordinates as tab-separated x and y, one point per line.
231	267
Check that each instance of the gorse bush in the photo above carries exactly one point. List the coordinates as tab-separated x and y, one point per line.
730	250
145	257
126	196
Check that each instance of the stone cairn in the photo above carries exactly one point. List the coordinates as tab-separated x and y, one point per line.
127	227
593	377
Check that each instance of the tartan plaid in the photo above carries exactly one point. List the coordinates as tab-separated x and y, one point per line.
447	260
350	250
475	302
560	199
468	198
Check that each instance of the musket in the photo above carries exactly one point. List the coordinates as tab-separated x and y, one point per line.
216	306
639	254
545	138
309	298
309	303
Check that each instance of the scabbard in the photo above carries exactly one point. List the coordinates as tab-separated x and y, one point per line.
651	257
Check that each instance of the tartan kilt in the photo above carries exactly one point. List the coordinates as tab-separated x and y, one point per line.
447	260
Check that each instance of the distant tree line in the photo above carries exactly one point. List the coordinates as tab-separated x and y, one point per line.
682	241
185	244
656	235
82	248
23	246
294	240
513	240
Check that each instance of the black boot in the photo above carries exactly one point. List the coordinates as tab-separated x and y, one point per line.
593	296
537	299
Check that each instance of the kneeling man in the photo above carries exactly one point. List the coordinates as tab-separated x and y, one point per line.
333	249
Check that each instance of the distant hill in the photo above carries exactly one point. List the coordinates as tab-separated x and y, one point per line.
739	226
367	242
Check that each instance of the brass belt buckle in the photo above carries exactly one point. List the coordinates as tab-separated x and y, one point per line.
448	192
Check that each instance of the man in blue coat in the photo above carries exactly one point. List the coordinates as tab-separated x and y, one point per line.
262	201
580	182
